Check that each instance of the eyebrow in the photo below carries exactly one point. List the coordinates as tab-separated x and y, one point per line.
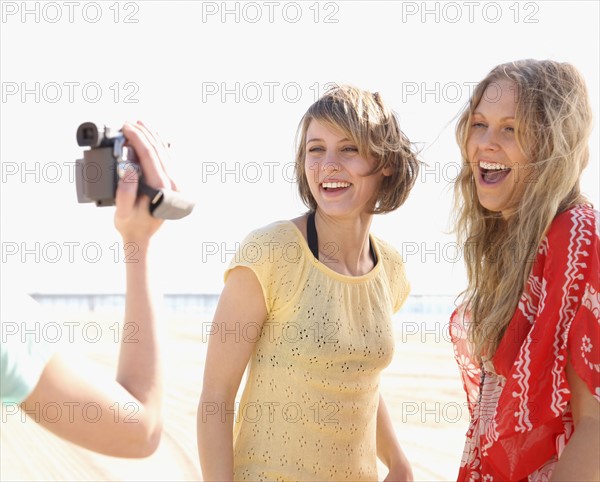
503	118
321	140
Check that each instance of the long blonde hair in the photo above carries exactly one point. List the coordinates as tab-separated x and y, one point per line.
553	122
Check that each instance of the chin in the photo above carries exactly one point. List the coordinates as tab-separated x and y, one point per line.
494	205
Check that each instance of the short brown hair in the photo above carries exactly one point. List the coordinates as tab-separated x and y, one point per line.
366	120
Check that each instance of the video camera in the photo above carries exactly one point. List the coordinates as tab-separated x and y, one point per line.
107	161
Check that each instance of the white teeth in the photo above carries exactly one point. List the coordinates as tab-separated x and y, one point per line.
333	185
492	166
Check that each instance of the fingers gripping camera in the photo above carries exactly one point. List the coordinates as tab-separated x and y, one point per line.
108	160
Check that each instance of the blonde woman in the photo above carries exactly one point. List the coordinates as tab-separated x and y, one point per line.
312	300
526	337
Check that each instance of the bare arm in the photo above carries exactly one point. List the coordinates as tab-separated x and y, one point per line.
579	460
241	303
388	448
122	417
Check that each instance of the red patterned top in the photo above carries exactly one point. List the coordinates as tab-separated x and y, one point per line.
519	404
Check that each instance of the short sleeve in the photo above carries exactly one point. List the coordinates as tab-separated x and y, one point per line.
584	334
23	350
277	258
571	285
401	289
395	272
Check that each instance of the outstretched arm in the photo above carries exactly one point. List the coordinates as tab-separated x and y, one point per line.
122	417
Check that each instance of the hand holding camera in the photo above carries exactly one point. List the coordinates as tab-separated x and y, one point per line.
126	167
138	192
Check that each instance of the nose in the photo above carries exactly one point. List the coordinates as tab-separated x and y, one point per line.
330	162
488	140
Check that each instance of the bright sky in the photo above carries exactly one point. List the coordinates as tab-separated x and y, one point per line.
227	84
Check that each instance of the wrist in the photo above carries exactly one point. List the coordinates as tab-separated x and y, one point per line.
135	249
138	233
138	242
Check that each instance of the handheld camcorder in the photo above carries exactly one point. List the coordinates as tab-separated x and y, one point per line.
107	161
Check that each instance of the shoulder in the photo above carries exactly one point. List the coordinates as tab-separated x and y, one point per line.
572	237
390	256
271	251
394	272
276	255
274	244
578	222
276	232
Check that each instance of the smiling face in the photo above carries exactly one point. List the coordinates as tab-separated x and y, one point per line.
337	175
495	157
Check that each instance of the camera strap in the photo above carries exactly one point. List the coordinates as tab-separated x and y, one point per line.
165	203
154	194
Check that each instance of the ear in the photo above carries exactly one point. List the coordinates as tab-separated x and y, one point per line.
387	171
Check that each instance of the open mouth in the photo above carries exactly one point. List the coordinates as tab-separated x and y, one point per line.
493	172
332	187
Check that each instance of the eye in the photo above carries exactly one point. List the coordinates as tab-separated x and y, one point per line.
509	129
315	149
350	149
477	125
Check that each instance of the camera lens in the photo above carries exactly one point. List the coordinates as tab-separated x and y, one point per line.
88	133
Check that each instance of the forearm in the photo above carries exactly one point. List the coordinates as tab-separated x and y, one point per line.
139	365
579	460
127	421
215	439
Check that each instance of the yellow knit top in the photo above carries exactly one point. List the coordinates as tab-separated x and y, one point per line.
309	406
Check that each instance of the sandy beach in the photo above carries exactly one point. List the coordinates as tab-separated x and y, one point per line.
421	388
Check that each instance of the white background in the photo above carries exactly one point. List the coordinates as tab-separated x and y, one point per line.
170	56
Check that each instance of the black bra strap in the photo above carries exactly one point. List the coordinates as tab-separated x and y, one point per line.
311	234
372	249
313	240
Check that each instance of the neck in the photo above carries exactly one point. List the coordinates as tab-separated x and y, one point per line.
344	244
